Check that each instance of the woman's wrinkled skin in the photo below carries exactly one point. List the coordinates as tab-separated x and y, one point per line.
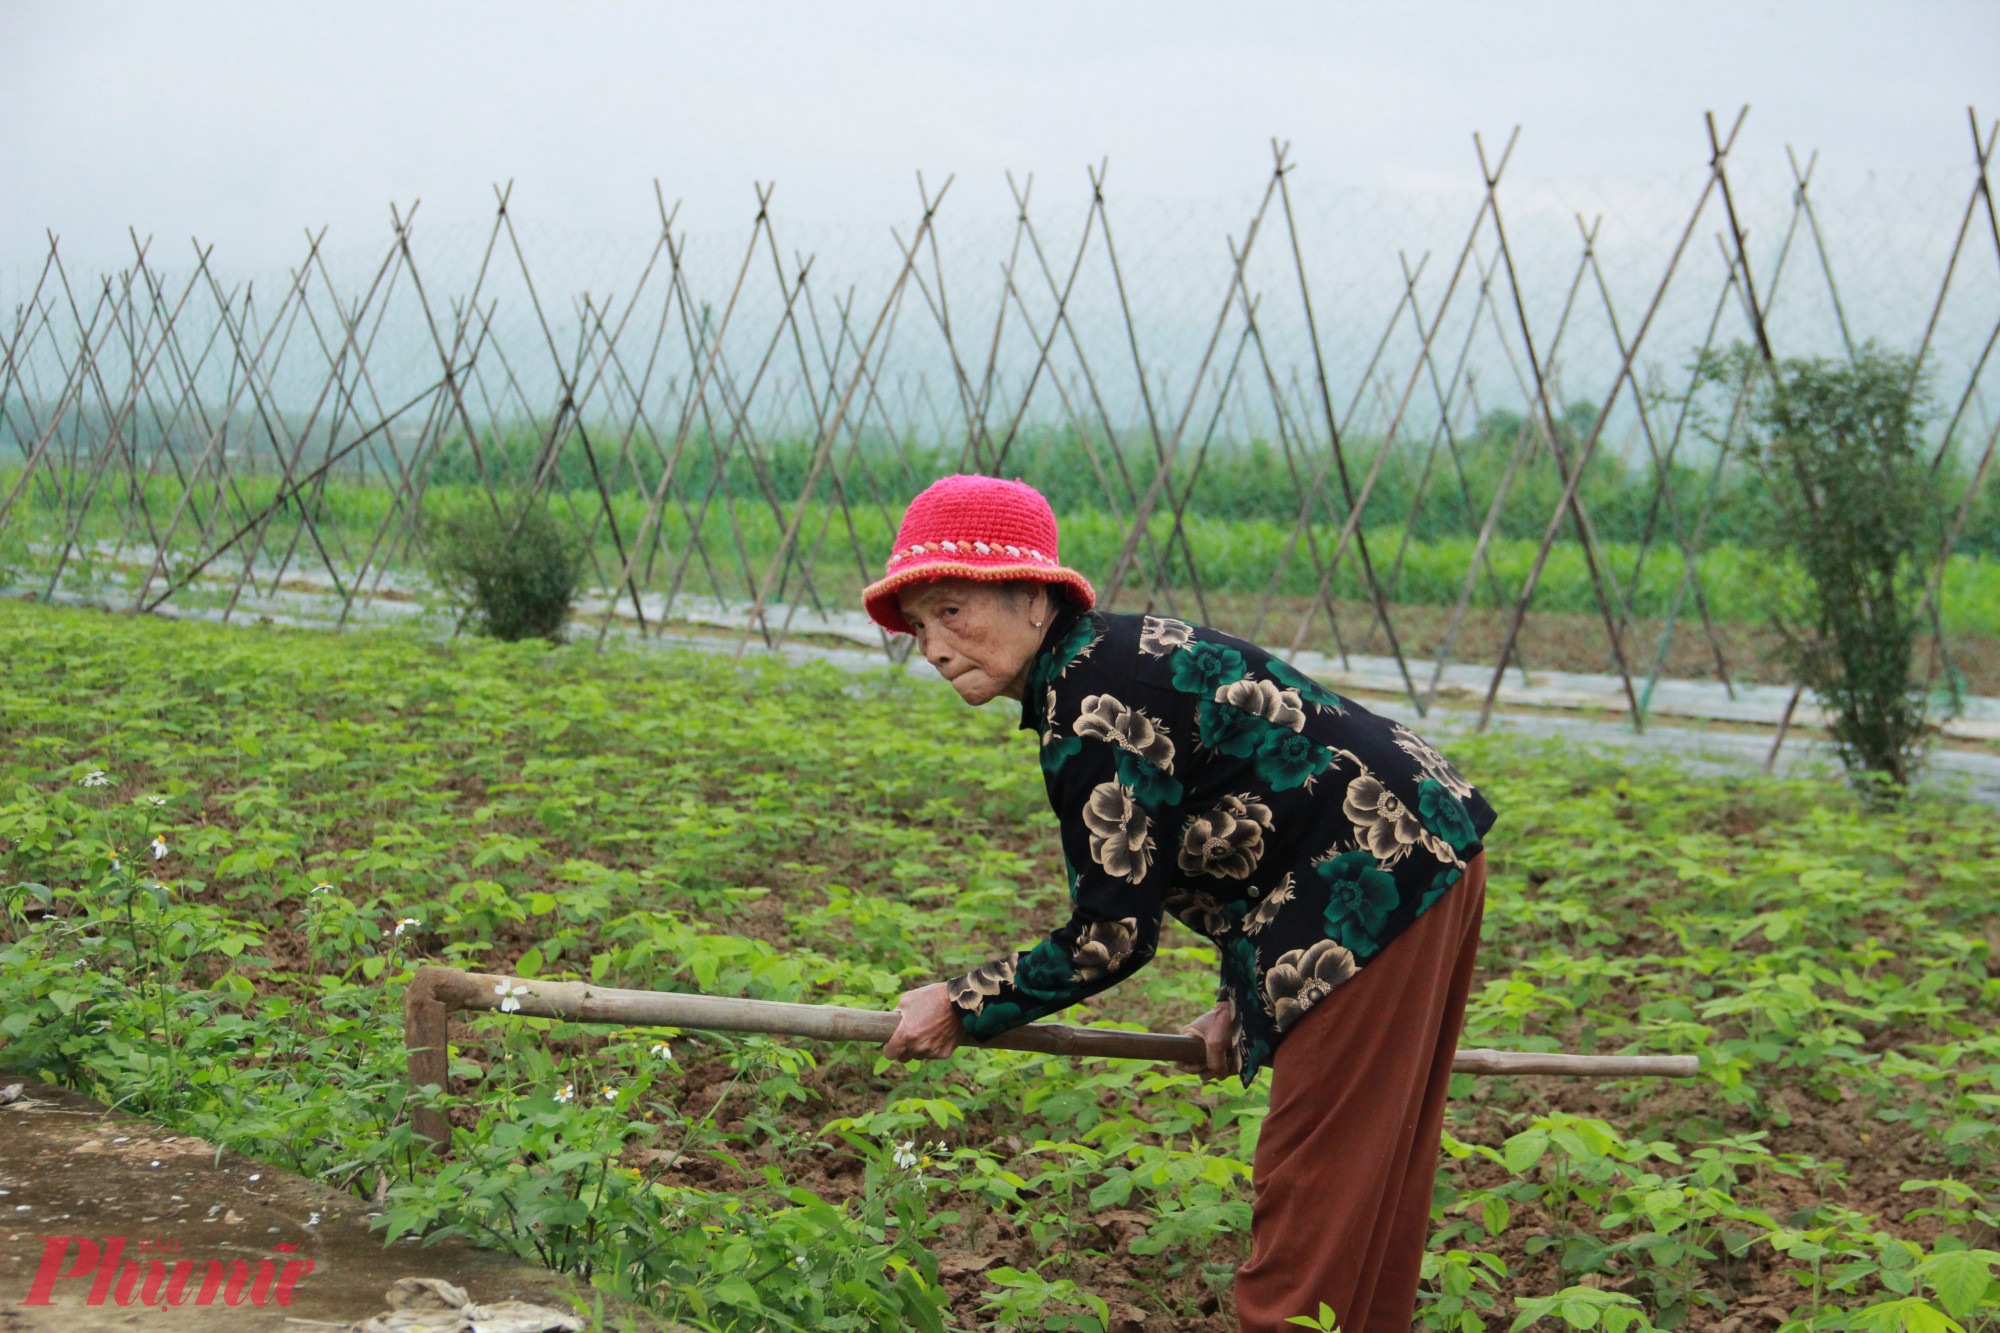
983	637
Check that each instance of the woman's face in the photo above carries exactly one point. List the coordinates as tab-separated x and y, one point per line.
979	637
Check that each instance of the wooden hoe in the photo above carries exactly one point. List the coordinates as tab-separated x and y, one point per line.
436	991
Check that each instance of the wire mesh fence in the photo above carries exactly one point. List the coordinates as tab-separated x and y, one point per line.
1394	425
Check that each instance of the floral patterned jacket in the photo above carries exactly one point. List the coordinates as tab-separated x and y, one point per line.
1196	774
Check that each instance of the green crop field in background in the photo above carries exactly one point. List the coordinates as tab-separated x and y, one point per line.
842	547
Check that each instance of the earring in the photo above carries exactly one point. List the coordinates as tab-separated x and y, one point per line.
1038	624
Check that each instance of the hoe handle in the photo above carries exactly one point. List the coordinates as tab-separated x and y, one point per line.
438	990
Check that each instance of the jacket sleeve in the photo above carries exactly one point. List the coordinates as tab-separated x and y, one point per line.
1110	779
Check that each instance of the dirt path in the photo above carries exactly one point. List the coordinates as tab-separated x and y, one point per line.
69	1167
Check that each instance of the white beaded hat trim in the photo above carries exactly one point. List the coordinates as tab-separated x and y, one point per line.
1027	553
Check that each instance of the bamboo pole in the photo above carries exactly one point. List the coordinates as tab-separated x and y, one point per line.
436	991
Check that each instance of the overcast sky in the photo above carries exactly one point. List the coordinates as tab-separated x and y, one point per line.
245	122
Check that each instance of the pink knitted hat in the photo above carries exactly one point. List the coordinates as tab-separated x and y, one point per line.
972	528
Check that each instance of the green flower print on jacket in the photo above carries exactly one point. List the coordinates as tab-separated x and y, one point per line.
1057	750
1441	881
1288	759
1056	658
1204	668
1256	719
1309	689
1228	730
1149	786
996	1018
1044	973
1444	814
1073	644
1239	966
1360	897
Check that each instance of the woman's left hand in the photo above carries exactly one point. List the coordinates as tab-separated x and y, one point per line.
930	1029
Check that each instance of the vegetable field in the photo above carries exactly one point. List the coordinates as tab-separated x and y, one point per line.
1229	547
1256	577
222	850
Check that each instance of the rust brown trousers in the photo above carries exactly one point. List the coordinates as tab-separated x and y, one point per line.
1347	1157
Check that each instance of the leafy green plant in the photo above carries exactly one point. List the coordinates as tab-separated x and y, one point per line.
1862	514
1585	1308
1461	1295
1030	1296
513	576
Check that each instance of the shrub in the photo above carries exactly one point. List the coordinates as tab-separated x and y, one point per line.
1842	443
512	575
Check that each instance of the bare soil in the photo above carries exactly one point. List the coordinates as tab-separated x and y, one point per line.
72	1167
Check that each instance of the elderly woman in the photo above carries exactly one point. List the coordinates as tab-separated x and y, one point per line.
1330	855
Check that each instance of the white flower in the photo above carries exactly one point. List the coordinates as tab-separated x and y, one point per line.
611	1094
1106	718
156	800
1433	764
95	778
1161	635
1119	837
1382	823
321	887
566	1093
905	1155
405	924
1266	700
159	849
661	1049
510	996
803	1264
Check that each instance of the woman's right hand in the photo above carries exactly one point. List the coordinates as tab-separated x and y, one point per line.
929	1028
1217	1033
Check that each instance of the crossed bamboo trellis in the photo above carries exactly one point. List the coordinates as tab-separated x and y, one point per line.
139	376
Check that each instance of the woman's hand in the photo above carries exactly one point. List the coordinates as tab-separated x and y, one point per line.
930	1029
1216	1032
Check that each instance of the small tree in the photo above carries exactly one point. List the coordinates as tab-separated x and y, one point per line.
1860	511
512	577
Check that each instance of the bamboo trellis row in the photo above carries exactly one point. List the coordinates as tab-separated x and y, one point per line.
174	440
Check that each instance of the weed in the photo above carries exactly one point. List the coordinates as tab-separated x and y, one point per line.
513	575
1863	515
